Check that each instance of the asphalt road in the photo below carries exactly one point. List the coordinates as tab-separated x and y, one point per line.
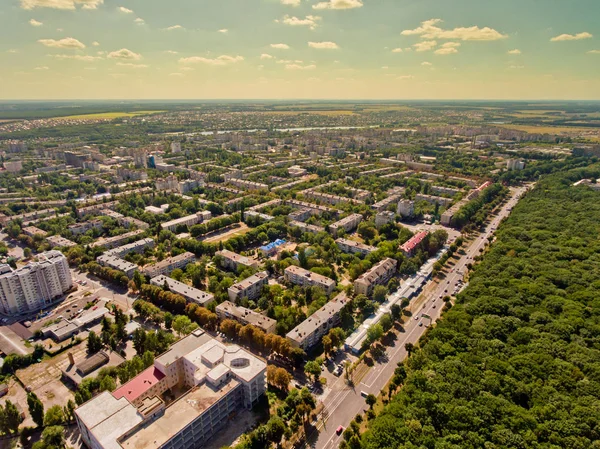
344	402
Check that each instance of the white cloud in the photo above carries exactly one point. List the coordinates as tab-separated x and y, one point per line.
289	61
126	54
132	65
280	46
300	67
572	37
42	68
594	52
516	51
219	61
429	30
324	45
426	64
309	21
172	52
125	10
35	23
96	44
448	48
139	21
516	67
224	30
67	42
405	77
291	2
385	67
12	50
61	4
84	58
266	56
174	27
425	45
339	4
397	50
176	74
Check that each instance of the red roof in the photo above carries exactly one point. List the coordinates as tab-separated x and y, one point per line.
411	244
141	383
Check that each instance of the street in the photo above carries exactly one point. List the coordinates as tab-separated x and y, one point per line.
345	402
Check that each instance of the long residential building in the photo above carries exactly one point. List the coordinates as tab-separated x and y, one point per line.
169	264
114	258
305	227
228	310
300	276
232	261
309	333
117	240
352	247
207	383
348	224
379	274
191	294
248	288
190	220
35	285
408	248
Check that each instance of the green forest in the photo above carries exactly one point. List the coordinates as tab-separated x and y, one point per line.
516	362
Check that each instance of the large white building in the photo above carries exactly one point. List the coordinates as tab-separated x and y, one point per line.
300	276
209	381
35	285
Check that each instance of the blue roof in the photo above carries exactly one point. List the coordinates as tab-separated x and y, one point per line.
273	245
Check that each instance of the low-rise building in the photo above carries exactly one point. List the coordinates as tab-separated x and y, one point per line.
348	224
114	258
89	366
232	261
352	247
228	310
169	264
304	227
82	228
300	276
216	380
409	247
117	240
56	241
157	210
431	199
379	274
309	333
272	248
383	218
32	231
191	294
249	288
190	220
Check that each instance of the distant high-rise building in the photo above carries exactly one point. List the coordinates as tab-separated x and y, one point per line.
35	285
175	147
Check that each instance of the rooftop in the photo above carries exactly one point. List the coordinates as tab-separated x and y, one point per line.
141	383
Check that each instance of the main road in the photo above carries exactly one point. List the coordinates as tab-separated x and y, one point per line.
344	402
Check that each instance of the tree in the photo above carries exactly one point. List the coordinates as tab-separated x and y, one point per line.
53	437
371	400
275	429
410	348
396	312
379	293
27	253
54	416
183	325
138	280
374	333
107	384
312	368
386	322
168	320
10	418
94	343
36	409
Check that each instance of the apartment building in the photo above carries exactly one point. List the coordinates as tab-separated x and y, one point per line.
232	261
304	227
117	240
82	228
191	294
379	274
216	380
352	247
248	185
406	208
431	199
383	218
190	220
248	288
384	203
440	190
300	276
35	285
169	264
348	224
409	247
57	241
310	332
113	258
32	231
228	310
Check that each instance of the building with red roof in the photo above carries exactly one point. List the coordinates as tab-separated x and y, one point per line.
409	247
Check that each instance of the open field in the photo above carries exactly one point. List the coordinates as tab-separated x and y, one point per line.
106	115
336	112
552	129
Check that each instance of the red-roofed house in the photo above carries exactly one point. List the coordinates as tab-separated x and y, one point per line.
148	383
408	248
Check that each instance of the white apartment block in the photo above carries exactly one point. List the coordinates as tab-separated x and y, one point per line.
406	208
383	218
228	310
248	185
113	258
191	294
348	224
305	227
210	382
309	333
248	288
379	274
188	221
82	228
300	276
352	247
35	285
232	261
169	264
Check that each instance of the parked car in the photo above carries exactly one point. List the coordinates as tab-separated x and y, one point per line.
339	430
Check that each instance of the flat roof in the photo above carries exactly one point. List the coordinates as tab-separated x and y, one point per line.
189	293
184	347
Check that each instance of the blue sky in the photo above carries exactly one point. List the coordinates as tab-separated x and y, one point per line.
346	49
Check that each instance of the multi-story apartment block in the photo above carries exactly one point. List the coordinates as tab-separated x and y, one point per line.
190	220
169	264
232	261
431	199
82	228
379	274
309	333
58	241
383	218
113	258
248	185
348	224
113	242
248	288
408	248
191	294
32	231
352	247
300	276
406	208
441	190
216	381
384	203
304	227
228	310
35	285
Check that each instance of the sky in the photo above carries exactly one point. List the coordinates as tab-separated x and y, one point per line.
300	49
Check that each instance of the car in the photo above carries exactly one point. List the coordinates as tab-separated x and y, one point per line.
339	430
364	394
417	317
421	324
434	306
